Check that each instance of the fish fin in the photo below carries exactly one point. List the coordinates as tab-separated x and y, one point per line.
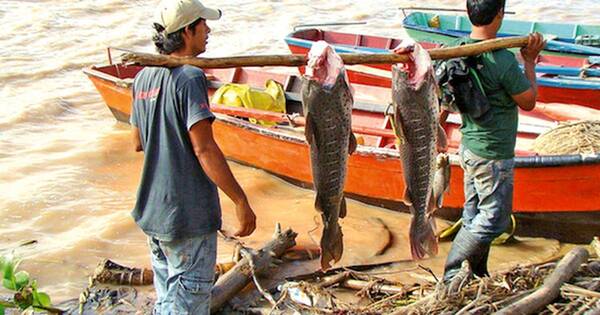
442	139
332	244
342	213
352	144
422	236
397	128
406	198
318	205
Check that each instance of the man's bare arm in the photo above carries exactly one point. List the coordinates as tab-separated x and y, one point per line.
216	168
527	99
135	139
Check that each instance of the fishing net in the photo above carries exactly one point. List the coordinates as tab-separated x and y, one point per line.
580	137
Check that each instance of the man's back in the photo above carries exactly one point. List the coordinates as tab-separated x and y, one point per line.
175	198
500	77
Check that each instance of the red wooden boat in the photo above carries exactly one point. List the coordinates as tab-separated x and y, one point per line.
559	77
554	195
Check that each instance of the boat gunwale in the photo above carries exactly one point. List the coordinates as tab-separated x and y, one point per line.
533	161
92	71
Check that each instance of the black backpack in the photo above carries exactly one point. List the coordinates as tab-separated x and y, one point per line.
461	88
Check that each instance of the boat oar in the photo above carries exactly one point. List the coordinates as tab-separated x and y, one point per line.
295	60
441	9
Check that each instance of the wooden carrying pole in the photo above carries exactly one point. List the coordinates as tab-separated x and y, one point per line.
295	60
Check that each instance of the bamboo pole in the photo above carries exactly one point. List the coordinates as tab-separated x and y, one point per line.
550	290
295	60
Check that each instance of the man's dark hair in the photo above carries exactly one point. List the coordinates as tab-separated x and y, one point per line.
168	43
483	12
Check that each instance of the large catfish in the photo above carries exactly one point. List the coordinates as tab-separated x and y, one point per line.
416	123
327	104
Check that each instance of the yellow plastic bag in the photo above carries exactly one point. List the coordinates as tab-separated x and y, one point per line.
434	22
241	95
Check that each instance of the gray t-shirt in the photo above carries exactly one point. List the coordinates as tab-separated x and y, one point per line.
175	197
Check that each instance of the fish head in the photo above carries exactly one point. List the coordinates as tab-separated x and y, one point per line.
325	65
419	65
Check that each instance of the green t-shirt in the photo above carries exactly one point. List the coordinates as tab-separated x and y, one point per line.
500	77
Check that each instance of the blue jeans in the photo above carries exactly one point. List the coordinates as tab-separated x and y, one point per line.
488	195
184	271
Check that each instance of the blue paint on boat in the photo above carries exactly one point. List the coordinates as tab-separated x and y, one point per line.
565	77
563	35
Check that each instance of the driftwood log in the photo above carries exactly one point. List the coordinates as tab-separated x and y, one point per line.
550	290
110	272
295	60
242	273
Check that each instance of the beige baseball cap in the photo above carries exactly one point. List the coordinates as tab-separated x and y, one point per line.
174	15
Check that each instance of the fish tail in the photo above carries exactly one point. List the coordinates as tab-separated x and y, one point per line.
332	245
422	237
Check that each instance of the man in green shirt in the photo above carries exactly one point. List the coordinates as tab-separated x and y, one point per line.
488	142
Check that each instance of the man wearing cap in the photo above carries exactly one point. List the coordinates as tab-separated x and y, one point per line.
177	202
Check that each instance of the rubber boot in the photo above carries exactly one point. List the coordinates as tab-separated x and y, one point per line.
466	247
479	266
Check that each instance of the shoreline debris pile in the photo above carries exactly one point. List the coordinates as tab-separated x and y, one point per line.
570	285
